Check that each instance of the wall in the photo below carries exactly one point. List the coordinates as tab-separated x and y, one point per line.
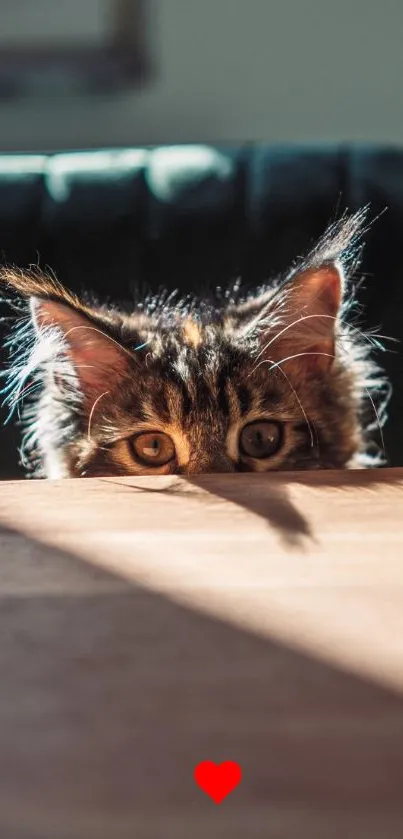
272	70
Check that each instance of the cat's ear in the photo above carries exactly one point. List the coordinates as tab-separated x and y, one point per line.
98	360
299	327
70	335
297	324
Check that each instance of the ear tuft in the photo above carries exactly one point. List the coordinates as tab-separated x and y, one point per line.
36	283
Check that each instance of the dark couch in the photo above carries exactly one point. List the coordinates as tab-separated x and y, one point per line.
187	217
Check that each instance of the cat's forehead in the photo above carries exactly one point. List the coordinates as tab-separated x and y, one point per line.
187	346
194	375
192	332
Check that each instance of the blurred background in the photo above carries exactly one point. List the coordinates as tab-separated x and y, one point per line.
215	71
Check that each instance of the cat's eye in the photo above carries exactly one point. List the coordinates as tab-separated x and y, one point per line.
260	439
154	448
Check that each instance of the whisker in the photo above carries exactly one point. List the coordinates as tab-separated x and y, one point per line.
269	361
92	412
301	406
275	365
378	422
371	339
105	335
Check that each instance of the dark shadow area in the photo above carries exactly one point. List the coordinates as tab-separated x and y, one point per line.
268	494
274	505
277	509
110	694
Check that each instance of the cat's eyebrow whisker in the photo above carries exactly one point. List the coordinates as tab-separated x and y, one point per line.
370	338
92	413
301	406
269	361
277	364
105	335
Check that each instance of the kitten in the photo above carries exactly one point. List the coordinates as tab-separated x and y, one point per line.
276	381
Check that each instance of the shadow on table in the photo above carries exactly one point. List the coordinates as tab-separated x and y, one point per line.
110	694
276	507
269	497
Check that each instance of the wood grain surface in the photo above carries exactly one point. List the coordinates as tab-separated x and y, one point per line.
149	624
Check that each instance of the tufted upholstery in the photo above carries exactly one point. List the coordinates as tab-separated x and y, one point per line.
186	217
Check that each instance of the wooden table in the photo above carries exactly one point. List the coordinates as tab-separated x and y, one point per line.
149	624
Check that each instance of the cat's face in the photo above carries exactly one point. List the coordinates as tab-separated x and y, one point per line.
198	400
271	384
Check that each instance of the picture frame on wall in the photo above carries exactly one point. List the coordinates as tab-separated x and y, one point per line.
72	47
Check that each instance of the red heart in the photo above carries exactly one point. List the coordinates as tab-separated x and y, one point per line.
218	780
